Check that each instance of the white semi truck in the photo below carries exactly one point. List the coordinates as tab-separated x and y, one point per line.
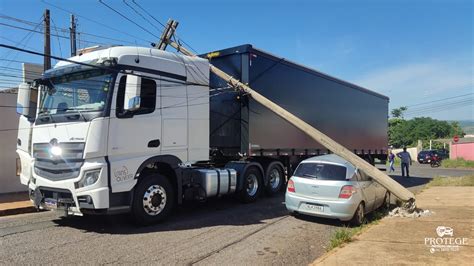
140	130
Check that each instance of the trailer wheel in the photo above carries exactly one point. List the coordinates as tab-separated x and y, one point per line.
275	177
153	200
252	185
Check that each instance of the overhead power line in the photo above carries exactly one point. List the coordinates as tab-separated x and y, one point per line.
440	100
125	17
40	32
97	22
163	25
66	30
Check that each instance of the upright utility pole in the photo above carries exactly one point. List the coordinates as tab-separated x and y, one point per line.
47	40
72	35
386	181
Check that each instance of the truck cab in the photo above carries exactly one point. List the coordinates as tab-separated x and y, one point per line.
105	119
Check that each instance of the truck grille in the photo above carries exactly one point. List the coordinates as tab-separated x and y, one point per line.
65	166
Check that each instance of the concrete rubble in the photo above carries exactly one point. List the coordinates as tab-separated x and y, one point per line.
409	212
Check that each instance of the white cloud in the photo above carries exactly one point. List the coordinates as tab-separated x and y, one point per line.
425	79
415	83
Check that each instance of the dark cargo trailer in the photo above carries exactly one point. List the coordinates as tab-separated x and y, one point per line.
353	116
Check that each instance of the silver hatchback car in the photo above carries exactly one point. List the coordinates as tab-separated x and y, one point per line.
329	186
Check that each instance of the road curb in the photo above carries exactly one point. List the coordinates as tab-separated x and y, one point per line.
20	210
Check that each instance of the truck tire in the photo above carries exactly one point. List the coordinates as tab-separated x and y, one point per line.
153	200
275	179
252	185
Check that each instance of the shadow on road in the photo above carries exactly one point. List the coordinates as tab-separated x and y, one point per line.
225	211
411	181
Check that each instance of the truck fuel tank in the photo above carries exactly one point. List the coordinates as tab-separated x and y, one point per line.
215	182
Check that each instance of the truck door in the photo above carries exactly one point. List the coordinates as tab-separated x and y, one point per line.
175	115
134	135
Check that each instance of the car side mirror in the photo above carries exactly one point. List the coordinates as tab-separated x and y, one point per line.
132	98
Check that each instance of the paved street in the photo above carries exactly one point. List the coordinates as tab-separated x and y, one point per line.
216	232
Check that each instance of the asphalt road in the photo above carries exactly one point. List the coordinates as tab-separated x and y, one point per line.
220	231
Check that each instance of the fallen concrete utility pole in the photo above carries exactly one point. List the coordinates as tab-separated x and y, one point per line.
386	181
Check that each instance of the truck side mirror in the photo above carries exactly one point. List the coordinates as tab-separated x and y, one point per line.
131	101
26	101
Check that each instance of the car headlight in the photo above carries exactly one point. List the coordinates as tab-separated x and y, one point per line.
89	178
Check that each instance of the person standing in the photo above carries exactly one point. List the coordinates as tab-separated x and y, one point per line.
391	160
406	161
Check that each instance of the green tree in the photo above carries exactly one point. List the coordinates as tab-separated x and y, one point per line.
398	112
408	132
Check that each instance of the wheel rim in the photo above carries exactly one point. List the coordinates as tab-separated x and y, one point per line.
275	178
154	200
252	185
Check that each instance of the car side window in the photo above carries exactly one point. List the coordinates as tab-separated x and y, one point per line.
147	97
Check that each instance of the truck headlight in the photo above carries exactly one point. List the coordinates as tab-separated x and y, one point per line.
89	178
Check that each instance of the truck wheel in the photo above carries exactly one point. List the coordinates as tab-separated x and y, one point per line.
359	215
252	185
153	200
275	177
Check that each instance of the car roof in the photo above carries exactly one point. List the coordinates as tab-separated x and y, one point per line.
331	159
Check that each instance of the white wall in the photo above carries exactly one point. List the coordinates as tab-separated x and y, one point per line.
9	181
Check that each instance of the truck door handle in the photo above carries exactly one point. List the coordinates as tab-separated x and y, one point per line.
154	143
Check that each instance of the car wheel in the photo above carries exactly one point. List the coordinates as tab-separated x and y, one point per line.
386	201
153	200
252	185
275	177
359	215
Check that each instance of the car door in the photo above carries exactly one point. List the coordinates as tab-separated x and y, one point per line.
368	189
380	194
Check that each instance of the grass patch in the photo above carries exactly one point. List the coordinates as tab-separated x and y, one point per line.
346	234
343	235
457	163
396	162
442	181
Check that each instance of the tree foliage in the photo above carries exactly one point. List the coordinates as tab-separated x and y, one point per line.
407	132
398	112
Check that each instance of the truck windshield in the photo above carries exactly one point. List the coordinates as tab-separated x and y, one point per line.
84	91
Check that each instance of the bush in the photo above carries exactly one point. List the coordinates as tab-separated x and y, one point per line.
441	181
457	163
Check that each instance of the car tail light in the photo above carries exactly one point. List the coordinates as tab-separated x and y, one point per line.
291	186
346	192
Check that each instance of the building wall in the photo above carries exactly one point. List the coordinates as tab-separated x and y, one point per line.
9	181
462	150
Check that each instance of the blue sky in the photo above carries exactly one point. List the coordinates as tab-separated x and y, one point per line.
415	52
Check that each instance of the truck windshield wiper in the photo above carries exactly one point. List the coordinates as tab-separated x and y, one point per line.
308	175
46	115
78	111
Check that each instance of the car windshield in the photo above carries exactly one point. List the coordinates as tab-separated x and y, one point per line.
321	171
77	92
